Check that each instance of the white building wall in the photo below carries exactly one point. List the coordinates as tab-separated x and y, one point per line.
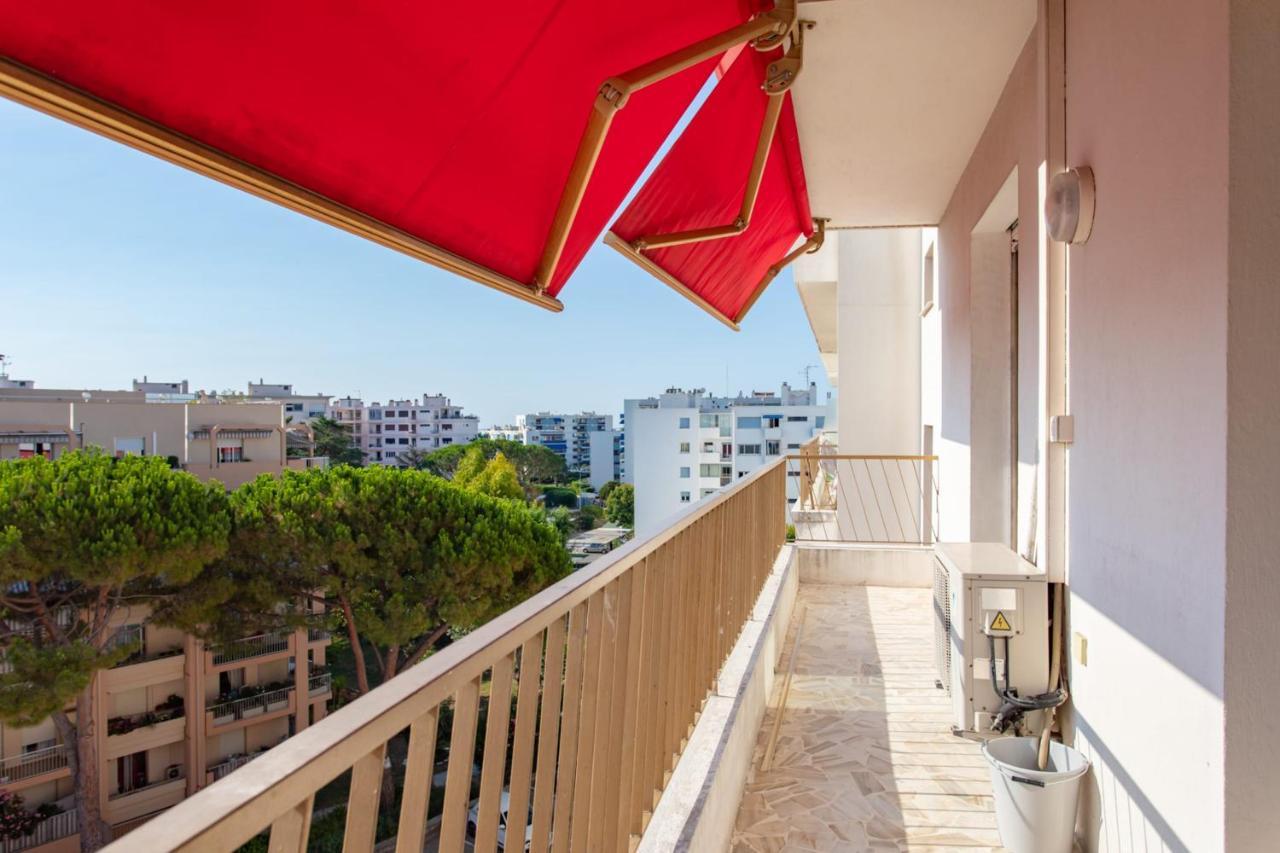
601	467
878	299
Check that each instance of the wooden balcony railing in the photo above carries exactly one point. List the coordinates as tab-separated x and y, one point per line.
608	670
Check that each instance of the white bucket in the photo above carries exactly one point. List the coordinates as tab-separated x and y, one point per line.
1035	809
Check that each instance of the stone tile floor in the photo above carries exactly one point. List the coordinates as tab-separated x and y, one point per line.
864	758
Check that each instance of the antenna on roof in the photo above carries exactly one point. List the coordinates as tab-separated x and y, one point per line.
806	370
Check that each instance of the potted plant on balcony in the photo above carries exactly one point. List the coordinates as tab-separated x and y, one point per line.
279	701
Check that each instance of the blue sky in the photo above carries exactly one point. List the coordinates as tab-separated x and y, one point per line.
114	264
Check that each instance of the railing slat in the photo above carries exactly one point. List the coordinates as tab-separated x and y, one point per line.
495	755
548	736
628	814
569	729
582	790
362	801
615	816
526	720
290	830
457	786
419	769
600	767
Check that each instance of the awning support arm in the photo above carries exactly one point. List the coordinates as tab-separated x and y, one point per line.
616	242
769	27
813	244
779	77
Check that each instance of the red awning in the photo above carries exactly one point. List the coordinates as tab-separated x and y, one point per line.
449	132
681	225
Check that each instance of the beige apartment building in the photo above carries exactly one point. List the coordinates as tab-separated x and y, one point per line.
178	715
228	442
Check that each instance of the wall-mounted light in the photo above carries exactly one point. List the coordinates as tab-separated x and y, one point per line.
1068	208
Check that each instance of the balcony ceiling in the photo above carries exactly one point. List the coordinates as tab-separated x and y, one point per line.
893	97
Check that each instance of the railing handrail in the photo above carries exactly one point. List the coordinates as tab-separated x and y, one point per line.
807	457
221	816
52	828
33	755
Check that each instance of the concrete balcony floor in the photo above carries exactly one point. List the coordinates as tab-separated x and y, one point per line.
864	757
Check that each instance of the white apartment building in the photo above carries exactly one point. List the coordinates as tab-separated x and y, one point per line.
590	445
385	432
684	445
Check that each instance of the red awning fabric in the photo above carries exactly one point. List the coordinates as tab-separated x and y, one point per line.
456	125
700	184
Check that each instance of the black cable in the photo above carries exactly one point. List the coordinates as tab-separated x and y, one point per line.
1052	699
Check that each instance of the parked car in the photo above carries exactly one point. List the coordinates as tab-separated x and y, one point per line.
504	804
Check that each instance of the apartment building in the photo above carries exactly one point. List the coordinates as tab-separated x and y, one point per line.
685	445
178	715
587	441
298	408
160	390
385	432
228	442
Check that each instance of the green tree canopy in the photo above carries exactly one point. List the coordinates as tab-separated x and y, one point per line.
621	505
562	518
534	464
603	492
334	441
88	543
495	478
400	554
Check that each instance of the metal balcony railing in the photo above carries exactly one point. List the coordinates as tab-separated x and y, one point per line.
601	676
34	763
147	787
319	682
880	499
250	647
315	635
48	830
250	705
223	768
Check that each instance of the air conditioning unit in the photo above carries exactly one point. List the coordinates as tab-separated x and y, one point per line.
990	603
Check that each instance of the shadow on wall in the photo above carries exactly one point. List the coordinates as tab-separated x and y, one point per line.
1110	790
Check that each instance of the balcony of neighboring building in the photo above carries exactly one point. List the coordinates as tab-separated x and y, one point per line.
35	766
250	705
157	656
258	648
163	723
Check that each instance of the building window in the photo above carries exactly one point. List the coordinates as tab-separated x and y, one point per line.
706	492
404	441
773	447
819	421
748	423
404	414
234	453
446	441
749	449
742	474
404	427
773	421
684	497
684	473
684	423
798	419
793	473
793	446
293	407
684	447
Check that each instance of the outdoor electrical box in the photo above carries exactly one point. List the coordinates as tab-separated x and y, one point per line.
986	595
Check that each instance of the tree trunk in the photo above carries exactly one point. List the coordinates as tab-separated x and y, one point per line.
357	651
84	762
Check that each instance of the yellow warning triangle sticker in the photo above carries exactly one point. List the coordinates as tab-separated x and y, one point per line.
1000	623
